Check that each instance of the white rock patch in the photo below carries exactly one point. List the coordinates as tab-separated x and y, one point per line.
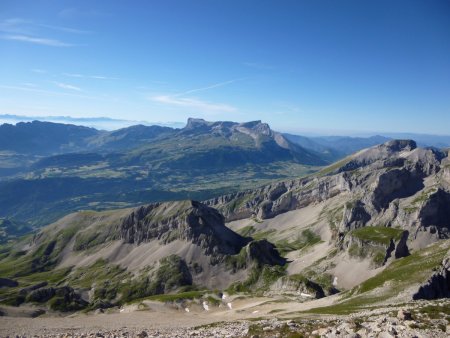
335	281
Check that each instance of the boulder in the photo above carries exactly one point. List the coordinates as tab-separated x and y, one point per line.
404	314
9	283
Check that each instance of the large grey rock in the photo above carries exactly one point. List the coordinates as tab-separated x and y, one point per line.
9	283
190	221
32	288
438	286
355	216
435	213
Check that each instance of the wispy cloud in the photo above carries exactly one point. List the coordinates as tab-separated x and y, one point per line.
19	29
37	40
39	71
64	29
215	85
180	100
15	25
98	77
74	93
73	75
197	104
50	92
68	86
101	77
20	25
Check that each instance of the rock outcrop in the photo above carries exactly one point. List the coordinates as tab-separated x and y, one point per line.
435	213
298	286
9	283
438	286
62	298
189	221
264	253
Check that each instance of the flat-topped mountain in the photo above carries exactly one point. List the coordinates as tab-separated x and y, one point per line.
219	145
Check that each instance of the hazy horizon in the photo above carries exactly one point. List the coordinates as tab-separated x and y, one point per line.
110	124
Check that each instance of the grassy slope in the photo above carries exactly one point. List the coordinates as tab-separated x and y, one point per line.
397	277
377	234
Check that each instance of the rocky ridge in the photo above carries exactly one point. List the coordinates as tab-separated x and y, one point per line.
395	184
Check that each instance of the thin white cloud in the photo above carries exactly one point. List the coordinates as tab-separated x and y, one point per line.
15	25
68	86
101	77
39	71
37	40
49	92
64	29
97	77
73	75
197	104
215	85
23	26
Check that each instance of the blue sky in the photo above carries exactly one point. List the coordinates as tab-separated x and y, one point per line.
332	67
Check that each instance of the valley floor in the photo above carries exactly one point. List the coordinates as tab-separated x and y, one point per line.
252	317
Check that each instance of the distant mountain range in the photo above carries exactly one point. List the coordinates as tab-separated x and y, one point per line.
101	123
333	148
49	169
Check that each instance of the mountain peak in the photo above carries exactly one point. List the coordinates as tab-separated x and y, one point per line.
186	220
400	145
193	122
252	127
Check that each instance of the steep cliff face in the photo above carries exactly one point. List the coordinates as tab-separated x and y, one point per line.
438	286
188	221
272	200
435	213
354	216
379	244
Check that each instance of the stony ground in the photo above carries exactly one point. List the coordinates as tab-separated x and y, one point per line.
424	319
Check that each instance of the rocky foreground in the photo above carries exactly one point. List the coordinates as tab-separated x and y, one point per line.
423	319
